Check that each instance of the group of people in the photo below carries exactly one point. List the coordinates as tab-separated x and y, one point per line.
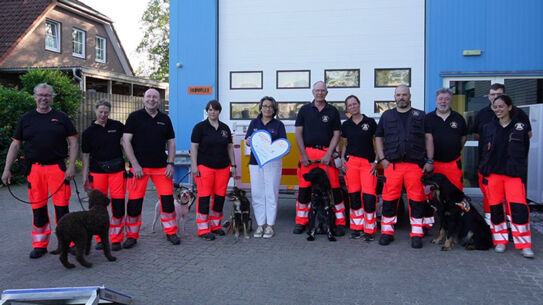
408	144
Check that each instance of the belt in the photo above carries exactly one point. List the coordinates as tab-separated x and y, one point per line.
49	162
321	147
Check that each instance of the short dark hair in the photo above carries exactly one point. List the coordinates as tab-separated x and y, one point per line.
215	105
274	104
103	103
497	86
352	96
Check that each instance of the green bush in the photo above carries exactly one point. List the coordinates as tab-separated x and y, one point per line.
14	103
68	95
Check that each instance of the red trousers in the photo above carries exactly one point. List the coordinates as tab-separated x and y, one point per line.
452	170
303	203
136	192
212	182
512	190
360	180
43	180
116	184
408	175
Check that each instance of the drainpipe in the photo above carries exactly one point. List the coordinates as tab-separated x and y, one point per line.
78	78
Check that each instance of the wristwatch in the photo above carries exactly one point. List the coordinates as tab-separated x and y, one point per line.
170	163
430	161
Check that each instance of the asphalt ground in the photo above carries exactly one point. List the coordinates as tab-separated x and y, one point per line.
285	269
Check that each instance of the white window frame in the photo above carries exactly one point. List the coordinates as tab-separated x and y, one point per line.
97	49
55	36
82	42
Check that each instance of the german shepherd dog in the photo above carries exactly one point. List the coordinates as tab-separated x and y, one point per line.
459	219
240	219
321	216
79	227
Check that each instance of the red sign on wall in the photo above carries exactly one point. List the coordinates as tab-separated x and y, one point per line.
200	90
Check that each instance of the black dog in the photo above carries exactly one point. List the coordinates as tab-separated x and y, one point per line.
458	218
321	217
79	227
240	218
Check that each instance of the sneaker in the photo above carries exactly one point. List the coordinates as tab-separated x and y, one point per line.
259	231
208	236
219	232
356	234
298	229
174	239
99	246
528	253
416	242
268	233
368	237
130	243
386	239
38	252
116	247
339	231
499	248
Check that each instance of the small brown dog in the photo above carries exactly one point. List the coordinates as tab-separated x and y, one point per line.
183	198
79	227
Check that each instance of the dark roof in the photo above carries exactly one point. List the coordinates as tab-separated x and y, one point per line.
16	17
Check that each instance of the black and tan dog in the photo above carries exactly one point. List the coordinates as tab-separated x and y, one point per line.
240	219
79	227
458	218
321	216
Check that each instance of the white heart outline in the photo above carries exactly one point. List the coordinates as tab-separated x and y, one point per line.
268	137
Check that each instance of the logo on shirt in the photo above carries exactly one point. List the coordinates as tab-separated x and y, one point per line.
161	123
54	120
112	130
365	127
325	119
454	124
415	113
519	126
224	133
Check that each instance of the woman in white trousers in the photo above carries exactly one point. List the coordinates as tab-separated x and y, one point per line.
265	180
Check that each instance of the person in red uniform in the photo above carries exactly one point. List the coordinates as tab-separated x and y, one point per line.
104	169
359	163
483	117
212	158
405	151
44	132
318	128
449	132
147	134
504	164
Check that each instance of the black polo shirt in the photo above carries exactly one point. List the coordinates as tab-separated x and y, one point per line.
319	126
359	138
102	143
44	136
486	115
275	127
212	144
447	135
150	136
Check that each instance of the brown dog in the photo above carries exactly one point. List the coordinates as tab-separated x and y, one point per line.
79	227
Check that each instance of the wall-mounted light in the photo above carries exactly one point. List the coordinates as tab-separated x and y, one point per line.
472	52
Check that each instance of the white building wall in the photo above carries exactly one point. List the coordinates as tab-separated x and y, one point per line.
316	35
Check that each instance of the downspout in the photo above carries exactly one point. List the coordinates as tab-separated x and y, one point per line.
74	70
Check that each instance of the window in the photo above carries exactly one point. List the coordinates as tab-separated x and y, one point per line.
78	43
52	35
293	79
348	78
100	49
392	77
246	80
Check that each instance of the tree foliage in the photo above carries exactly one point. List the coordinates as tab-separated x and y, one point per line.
14	103
156	39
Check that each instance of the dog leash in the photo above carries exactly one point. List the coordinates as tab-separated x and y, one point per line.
49	197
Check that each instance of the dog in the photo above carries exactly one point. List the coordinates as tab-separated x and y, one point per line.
79	227
240	218
321	216
458	218
183	199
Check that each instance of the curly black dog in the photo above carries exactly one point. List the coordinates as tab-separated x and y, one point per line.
458	218
321	216
241	213
79	227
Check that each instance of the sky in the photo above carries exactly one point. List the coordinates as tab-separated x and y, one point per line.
126	16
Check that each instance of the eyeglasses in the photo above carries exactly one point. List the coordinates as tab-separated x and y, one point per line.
267	106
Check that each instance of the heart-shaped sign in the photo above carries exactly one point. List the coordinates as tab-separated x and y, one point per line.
266	151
